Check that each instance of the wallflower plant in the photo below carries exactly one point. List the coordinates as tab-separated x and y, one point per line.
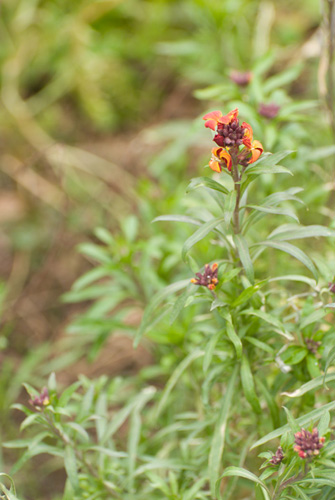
250	359
276	343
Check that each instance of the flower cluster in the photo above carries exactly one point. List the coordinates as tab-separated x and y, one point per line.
209	278
42	399
277	457
308	443
312	345
229	136
331	287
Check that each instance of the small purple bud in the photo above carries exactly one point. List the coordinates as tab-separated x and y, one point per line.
241	78
268	110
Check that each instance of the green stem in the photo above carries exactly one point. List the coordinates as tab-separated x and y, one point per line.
281	486
79	454
236	215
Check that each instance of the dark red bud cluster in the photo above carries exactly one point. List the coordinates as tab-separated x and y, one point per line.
241	78
42	399
268	110
229	135
277	457
209	278
331	287
312	345
308	444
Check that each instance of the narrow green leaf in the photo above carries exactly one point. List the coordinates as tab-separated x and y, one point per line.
268	169
87	403
89	277
291	250
283	78
135	431
271	159
323	152
70	465
310	386
248	293
302	421
324	424
312	318
218	440
232	335
209	350
271	320
239	472
329	360
229	207
95	252
294	232
200	234
175	377
295	427
274	211
295	277
235	339
320	482
294	354
313	366
248	385
230	488
275	198
177	218
261	345
270	401
296	107
78	429
180	303
300	492
158	298
191	493
68	392
104	236
243	252
35	418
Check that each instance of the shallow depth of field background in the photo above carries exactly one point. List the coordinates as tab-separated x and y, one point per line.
100	127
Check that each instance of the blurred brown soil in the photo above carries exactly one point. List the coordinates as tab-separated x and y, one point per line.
38	276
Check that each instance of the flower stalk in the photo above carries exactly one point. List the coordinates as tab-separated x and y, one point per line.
237	184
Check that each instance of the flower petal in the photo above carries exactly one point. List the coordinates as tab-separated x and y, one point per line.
255	154
215	165
216	151
256	151
212	119
257	145
225	156
230	117
248	135
219	139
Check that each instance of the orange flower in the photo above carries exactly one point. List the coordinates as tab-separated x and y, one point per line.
209	278
255	147
220	158
215	117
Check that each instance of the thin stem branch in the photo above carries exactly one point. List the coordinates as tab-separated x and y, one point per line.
79	454
281	486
